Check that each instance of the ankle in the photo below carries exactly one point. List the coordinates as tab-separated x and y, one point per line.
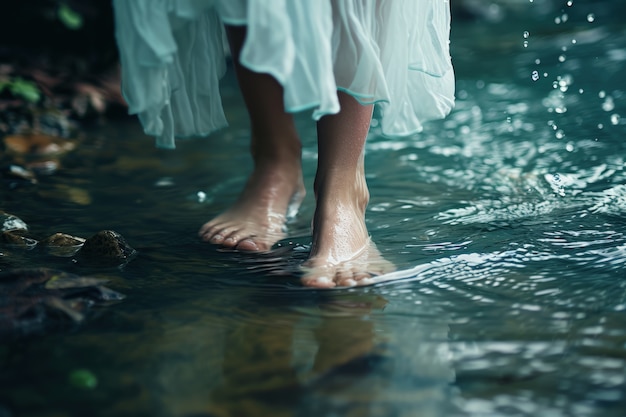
283	166
332	190
276	147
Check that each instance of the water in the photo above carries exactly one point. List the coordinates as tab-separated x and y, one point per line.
506	221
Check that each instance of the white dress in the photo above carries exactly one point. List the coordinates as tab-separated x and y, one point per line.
394	53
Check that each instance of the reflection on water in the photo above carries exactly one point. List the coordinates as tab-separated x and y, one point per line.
506	220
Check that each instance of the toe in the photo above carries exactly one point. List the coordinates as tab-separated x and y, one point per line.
216	239
230	242
249	245
210	228
231	236
318	281
360	276
351	277
348	283
342	276
219	234
204	230
207	233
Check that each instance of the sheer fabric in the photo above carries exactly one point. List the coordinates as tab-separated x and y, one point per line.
394	53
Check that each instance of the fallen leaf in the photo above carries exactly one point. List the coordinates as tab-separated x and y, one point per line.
37	144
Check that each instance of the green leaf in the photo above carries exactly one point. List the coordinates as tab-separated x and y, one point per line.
83	378
69	17
25	89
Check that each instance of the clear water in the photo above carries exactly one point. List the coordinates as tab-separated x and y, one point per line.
506	219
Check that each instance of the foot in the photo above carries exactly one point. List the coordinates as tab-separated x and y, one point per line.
342	253
257	220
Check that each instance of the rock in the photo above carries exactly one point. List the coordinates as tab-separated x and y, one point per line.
9	222
29	295
13	173
37	144
44	166
61	244
106	248
16	239
67	193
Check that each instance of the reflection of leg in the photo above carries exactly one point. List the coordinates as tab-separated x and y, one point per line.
344	335
341	253
258	374
256	221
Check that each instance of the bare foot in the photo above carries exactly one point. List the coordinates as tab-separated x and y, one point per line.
257	220
342	253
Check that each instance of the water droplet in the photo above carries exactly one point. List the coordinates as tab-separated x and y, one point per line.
565	82
201	196
600	126
602	94
569	3
557	20
569	147
561	58
545	75
526	34
537	61
525	44
580	91
591	17
535	76
574	41
615	119
608	104
559	134
564	17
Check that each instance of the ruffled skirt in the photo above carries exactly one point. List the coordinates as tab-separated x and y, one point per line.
394	53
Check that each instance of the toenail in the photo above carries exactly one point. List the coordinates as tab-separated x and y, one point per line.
323	280
248	245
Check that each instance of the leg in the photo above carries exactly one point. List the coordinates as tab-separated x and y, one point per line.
257	219
342	253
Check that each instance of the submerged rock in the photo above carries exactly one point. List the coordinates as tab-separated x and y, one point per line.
61	244
16	239
37	144
17	174
106	248
66	193
31	298
44	167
